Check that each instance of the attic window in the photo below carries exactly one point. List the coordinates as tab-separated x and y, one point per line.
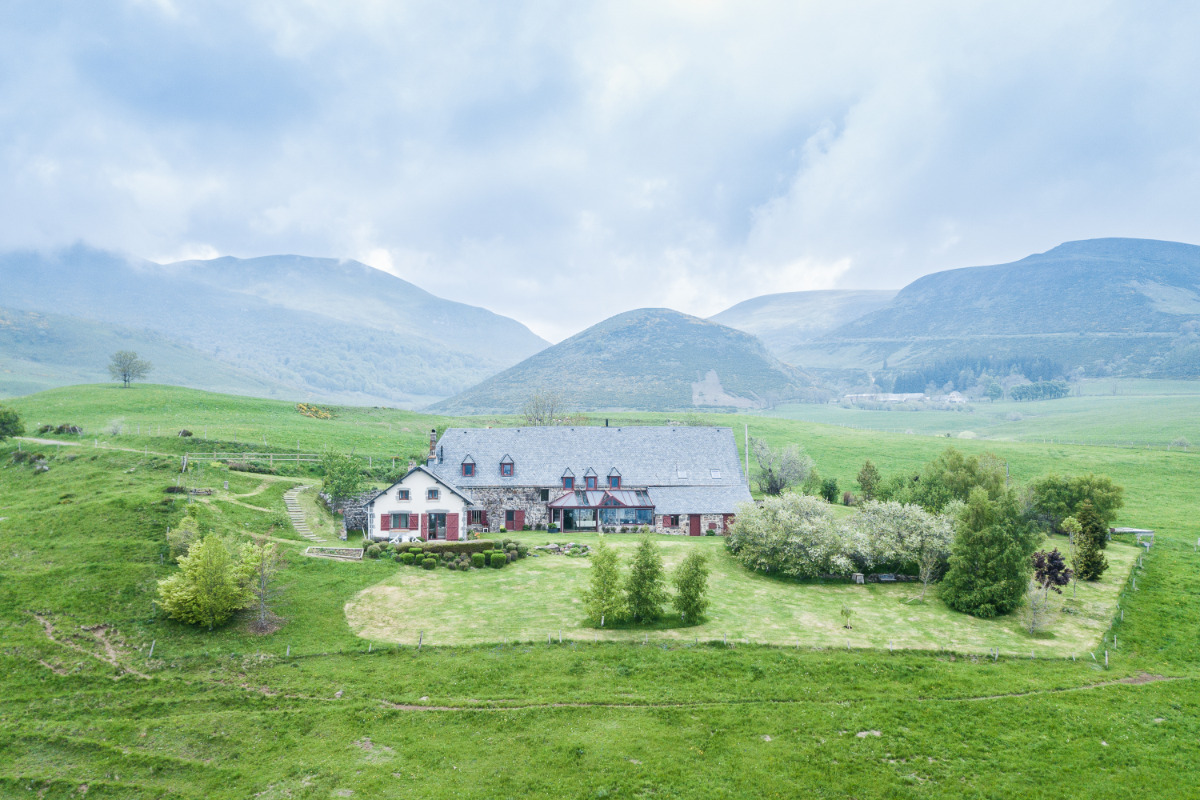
614	481
590	480
568	482
468	469
506	467
715	473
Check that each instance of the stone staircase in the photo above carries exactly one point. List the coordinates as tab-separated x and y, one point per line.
296	514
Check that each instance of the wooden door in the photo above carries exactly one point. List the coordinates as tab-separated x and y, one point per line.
694	525
424	526
518	520
452	527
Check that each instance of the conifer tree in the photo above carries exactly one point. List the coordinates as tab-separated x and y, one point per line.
604	601
691	586
1090	563
868	480
645	590
990	557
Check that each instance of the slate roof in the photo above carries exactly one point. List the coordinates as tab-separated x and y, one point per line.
440	478
644	455
698	499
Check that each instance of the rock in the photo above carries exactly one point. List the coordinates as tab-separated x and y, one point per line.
865	734
338	694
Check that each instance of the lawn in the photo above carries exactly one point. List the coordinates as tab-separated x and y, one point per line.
540	596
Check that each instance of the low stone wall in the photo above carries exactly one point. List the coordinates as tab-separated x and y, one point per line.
353	510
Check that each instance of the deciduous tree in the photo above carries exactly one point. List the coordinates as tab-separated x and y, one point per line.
207	589
343	476
260	565
1050	573
126	367
541	408
691	587
10	424
779	468
793	535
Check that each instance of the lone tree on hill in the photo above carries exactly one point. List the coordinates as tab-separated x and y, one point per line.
644	588
779	468
126	367
10	424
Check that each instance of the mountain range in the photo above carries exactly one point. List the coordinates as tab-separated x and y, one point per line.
309	328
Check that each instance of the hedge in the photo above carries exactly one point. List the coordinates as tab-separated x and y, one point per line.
476	546
478	560
429	563
499	560
406	558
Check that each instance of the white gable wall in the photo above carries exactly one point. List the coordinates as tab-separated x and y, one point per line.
420	506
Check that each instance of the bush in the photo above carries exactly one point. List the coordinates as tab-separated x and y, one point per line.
416	551
478	560
829	490
185	433
522	551
405	558
511	547
497	560
374	550
526	528
429	563
505	543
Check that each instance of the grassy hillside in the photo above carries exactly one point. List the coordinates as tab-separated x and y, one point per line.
787	320
228	714
1127	305
40	351
1143	413
337	331
654	359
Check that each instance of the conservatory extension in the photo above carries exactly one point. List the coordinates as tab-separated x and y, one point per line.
581	510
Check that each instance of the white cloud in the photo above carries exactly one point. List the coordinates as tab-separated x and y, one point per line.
564	163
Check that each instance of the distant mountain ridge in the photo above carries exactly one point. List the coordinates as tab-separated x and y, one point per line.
1129	306
788	320
648	359
321	328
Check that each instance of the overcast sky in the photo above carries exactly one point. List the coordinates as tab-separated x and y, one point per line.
563	162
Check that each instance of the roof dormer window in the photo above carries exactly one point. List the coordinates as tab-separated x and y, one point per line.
506	467
614	478
590	481
715	473
468	467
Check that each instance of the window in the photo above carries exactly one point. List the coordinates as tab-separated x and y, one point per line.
510	519
402	494
468	470
614	481
400	521
568	483
545	495
671	520
432	494
476	517
715	473
506	469
591	481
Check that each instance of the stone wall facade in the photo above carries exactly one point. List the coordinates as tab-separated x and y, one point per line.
496	500
715	522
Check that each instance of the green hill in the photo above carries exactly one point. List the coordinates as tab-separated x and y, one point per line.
791	319
1123	306
649	359
333	330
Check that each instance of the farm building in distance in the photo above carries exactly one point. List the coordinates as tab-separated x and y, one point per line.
681	480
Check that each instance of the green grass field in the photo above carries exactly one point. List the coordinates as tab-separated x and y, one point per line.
316	710
1123	412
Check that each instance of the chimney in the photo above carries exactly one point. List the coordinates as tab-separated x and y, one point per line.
432	445
606	423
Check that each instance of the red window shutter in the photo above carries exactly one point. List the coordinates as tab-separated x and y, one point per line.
424	526
483	517
385	522
518	520
414	521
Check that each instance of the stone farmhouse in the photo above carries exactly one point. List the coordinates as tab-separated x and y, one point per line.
681	480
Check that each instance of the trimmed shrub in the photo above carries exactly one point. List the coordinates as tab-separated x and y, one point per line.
511	547
522	551
406	558
429	563
416	551
473	546
497	560
374	550
511	556
478	560
506	542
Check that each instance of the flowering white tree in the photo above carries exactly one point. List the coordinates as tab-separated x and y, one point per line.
792	535
895	533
